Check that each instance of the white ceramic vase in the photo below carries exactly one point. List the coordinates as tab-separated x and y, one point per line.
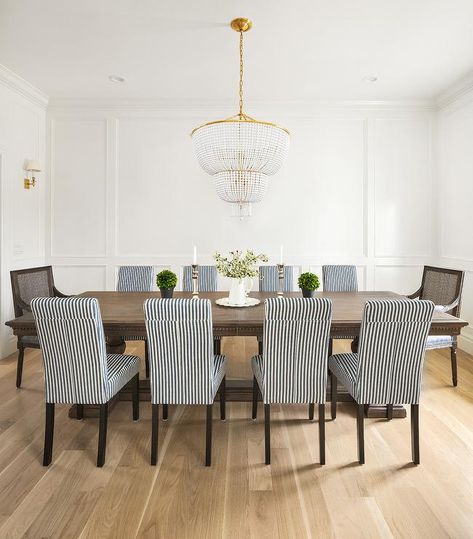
237	295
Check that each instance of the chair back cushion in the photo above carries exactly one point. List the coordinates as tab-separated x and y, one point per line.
442	286
180	344
391	351
339	279
207	281
31	283
295	343
269	279
72	342
135	279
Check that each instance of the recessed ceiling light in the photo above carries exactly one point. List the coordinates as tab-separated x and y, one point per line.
369	78
116	78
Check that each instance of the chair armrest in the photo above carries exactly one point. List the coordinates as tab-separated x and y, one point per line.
58	294
23	306
416	294
450	306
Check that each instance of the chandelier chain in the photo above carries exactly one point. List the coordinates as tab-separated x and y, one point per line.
241	75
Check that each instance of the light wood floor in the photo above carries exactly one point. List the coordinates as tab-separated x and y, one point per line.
238	496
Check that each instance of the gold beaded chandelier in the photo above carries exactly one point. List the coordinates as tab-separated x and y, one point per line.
240	153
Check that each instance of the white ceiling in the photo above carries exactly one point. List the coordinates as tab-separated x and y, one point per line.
297	50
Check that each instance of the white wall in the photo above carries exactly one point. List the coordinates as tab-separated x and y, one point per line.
22	212
127	189
455	195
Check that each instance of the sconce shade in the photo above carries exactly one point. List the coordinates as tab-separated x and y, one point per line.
33	166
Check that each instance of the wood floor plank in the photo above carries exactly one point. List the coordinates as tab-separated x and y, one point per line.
238	496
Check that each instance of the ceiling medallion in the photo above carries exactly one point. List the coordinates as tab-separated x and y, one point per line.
240	153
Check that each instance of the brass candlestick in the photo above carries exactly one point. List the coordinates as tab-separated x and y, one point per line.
281	279
195	281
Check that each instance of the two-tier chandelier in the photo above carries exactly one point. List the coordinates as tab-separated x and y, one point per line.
240	152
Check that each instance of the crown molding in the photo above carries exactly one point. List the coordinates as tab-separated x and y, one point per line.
226	108
22	87
455	92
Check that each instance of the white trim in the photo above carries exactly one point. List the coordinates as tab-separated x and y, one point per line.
227	107
22	87
465	340
455	92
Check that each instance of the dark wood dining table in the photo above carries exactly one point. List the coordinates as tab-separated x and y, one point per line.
122	315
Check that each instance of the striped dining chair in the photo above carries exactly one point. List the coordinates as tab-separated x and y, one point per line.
339	278
269	282
269	279
184	368
206	282
136	279
293	367
77	368
388	368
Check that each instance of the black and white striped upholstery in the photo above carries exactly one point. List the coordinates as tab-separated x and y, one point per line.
388	366
269	279
293	368
135	279
435	342
269	282
183	366
77	369
339	278
207	281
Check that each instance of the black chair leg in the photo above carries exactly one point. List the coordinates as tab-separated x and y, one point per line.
135	395
154	433
389	411
19	366
222	400
453	359
103	420
311	411
80	411
260	347
330	347
146	359
267	434
208	436
254	410
360	418
333	395
354	345
415	433
48	434
217	347
165	412
322	433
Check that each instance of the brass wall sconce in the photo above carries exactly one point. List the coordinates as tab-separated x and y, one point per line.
31	167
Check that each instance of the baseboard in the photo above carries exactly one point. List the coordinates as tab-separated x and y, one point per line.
7	348
465	341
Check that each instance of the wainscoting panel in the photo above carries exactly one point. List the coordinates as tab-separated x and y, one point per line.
400	279
403	187
74	279
78	171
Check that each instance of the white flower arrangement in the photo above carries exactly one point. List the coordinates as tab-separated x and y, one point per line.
238	265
